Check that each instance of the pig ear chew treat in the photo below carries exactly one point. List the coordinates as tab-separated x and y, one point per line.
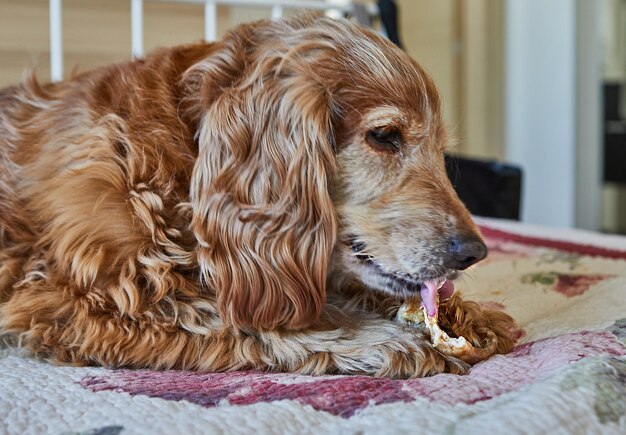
412	314
477	333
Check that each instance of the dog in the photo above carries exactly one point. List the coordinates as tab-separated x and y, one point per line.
262	202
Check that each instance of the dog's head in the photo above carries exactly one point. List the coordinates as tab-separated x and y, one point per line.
319	142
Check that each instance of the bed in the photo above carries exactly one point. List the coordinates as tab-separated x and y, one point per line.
565	288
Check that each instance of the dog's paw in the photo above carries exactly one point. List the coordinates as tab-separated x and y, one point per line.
491	330
415	358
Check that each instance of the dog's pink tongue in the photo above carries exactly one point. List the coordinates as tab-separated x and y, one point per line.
430	294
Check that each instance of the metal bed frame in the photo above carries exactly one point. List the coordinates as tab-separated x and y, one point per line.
332	7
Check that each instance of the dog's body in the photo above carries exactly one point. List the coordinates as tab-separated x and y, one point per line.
233	205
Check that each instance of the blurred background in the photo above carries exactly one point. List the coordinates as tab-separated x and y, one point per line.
537	84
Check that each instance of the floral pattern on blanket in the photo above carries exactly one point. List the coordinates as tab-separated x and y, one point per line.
619	329
345	395
606	379
105	430
567	284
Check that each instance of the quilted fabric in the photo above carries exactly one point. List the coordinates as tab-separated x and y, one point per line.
567	290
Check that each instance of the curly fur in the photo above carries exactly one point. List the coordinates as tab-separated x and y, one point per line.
194	209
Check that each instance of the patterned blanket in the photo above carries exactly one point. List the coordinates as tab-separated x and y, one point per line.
566	289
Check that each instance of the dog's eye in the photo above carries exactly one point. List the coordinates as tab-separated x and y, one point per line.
384	139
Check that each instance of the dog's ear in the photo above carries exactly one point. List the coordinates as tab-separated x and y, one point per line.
263	217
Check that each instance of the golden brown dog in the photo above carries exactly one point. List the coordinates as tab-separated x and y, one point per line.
261	202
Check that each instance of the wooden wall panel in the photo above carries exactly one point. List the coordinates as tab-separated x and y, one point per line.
428	31
97	32
449	41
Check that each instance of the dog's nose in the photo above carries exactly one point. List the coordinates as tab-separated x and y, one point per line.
465	251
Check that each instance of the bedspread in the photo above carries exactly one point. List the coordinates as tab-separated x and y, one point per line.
566	289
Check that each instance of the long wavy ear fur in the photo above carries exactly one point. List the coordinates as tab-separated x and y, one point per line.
263	216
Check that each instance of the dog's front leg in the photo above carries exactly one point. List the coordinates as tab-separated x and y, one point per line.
369	345
57	326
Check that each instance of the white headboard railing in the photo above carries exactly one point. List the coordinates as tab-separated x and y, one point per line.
210	21
56	41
